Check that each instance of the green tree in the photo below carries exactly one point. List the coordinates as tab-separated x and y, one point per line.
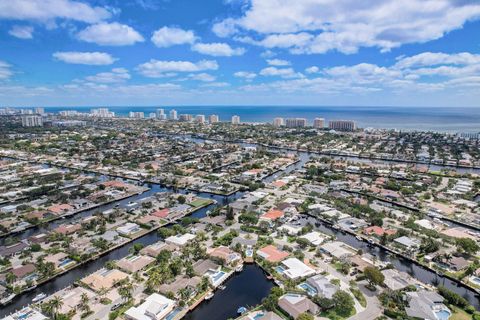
467	245
373	276
305	316
344	303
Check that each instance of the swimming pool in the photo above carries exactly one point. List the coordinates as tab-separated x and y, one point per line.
258	316
217	276
442	314
279	269
308	288
475	280
65	262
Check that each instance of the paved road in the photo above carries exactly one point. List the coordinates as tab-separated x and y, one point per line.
373	309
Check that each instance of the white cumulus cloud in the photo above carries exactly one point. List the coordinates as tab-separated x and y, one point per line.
115	76
166	37
21	32
245	74
317	26
45	10
158	68
278	62
89	58
217	49
110	34
5	71
280	72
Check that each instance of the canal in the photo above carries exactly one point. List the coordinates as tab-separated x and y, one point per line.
229	304
244	289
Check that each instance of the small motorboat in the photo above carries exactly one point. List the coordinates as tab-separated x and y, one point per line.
371	241
209	296
222	287
359	238
241	310
39	297
239	268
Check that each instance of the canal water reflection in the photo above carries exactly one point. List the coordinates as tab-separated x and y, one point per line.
245	289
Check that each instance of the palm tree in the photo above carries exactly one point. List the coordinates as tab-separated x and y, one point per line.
83	305
125	291
54	305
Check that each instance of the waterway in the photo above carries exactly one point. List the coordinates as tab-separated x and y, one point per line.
228	306
244	289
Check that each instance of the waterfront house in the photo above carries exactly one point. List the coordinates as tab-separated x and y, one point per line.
272	254
408	243
296	304
26	313
128	229
338	249
378	231
60	209
67	229
155	307
22	271
244	241
134	263
154	249
201	267
397	280
104	278
322	285
226	255
427	305
181	282
294	269
315	238
180	240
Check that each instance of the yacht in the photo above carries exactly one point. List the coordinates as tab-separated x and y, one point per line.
39	297
209	296
7	299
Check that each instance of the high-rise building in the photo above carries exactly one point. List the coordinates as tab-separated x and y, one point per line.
152	115
319	123
26	111
278	122
186	117
32	121
39	110
68	113
173	114
102	113
160	113
136	114
200	118
235	119
342	125
296	122
213	118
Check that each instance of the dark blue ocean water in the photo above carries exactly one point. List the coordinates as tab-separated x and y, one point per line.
456	119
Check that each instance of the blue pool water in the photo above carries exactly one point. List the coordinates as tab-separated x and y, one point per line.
310	290
65	262
279	269
442	314
218	275
258	316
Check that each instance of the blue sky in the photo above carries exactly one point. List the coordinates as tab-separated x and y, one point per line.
240	52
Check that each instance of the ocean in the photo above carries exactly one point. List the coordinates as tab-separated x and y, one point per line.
442	119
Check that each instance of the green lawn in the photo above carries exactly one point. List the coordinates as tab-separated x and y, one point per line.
200	202
459	314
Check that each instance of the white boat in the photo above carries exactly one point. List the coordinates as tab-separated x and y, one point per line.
39	297
371	241
359	238
239	268
7	299
209	296
222	287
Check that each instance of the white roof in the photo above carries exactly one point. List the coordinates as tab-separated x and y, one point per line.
314	237
180	240
156	305
296	269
